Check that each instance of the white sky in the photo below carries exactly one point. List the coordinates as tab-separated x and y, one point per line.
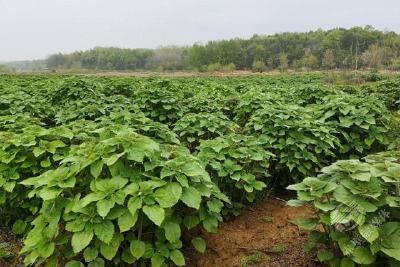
31	29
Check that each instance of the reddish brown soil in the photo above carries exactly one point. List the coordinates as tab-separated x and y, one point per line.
257	230
11	245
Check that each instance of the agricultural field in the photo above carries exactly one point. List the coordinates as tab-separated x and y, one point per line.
147	171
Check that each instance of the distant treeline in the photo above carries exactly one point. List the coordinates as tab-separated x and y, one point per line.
355	48
24	65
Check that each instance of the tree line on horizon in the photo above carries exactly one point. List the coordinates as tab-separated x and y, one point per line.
354	48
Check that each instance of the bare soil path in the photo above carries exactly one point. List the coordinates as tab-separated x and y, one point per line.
263	235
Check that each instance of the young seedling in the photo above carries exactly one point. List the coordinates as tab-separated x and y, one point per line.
252	259
278	248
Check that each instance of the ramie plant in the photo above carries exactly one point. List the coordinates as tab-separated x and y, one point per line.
120	197
239	165
357	211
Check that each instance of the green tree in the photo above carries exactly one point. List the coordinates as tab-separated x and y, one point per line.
258	66
260	53
395	64
309	60
229	67
373	56
214	67
328	61
283	62
298	64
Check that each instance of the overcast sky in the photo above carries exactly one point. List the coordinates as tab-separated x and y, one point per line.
31	29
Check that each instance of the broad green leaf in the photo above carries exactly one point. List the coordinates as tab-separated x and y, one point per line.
110	250
99	262
324	256
90	254
137	248
191	221
46	250
127	256
112	159
211	224
390	236
19	227
115	212
362	255
172	231
127	221
199	244
89	198
104	206
346	262
155	213
177	257
53	145
394	252
157	260
74	264
131	189
45	163
193	168
215	205
369	232
81	240
104	231
346	246
393	201
96	168
297	187
168	195
134	204
324	206
361	176
306	223
49	193
191	197
75	226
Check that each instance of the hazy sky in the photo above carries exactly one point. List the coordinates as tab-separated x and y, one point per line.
31	29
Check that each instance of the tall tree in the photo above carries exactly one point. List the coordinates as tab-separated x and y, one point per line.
328	61
309	60
283	62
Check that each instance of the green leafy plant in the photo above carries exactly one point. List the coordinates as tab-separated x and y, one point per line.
122	197
301	143
363	125
238	165
192	128
278	248
387	90
160	101
251	260
357	206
